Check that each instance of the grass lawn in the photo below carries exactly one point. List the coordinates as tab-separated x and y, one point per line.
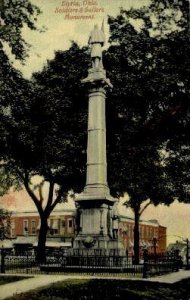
101	289
8	279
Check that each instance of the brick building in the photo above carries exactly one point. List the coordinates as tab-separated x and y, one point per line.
62	227
153	236
60	223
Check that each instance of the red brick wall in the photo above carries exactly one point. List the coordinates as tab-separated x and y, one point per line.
162	238
147	235
19	224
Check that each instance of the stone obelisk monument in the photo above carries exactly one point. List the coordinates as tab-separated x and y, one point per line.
95	204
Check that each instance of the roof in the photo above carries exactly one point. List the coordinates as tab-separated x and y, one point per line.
55	212
25	240
144	222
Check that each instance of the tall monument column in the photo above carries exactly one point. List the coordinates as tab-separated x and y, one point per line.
95	203
96	181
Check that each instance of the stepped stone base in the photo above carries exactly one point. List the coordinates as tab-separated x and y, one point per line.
97	246
95	235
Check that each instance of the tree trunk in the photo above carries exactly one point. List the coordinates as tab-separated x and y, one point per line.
136	236
41	255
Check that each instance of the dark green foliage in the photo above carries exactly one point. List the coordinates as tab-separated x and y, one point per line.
61	106
14	15
47	133
148	109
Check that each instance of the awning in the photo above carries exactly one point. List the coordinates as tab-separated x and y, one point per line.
6	244
56	244
25	240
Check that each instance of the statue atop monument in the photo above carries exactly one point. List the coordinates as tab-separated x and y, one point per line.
97	73
97	41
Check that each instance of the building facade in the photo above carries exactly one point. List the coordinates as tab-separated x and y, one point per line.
63	227
152	235
60	223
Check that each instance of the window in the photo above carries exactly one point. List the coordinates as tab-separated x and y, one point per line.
155	232
142	232
33	227
151	232
63	223
147	232
12	229
54	226
70	223
25	227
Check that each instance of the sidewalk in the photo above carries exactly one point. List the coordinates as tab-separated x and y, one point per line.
39	281
171	278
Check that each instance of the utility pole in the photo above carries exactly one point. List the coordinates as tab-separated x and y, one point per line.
187	254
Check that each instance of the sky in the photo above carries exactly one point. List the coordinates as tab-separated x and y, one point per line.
61	31
58	36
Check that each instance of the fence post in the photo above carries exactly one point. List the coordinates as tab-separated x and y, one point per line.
145	265
2	260
27	261
177	260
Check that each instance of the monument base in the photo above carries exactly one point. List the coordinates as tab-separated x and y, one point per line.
96	235
98	246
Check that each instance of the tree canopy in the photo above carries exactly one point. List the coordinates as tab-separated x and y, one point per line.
149	105
47	135
14	15
149	102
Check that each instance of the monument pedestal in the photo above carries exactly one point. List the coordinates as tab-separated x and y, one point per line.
95	236
94	225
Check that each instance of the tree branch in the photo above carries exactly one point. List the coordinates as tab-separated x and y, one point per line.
50	197
41	195
143	209
57	200
31	194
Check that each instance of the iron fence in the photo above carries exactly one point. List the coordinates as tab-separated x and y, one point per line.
61	262
93	264
157	264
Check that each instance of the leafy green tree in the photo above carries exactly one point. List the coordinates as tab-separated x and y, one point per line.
47	136
14	15
147	105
